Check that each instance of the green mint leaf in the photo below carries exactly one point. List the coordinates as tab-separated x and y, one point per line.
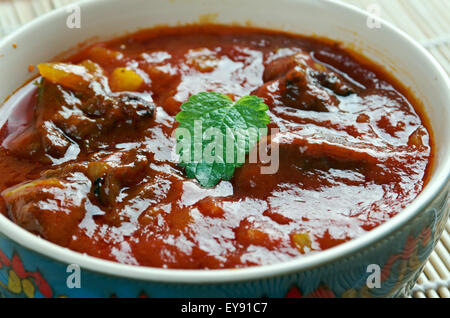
215	134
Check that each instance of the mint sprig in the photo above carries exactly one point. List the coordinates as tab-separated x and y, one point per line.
215	133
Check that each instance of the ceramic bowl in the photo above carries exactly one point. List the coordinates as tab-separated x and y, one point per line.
33	267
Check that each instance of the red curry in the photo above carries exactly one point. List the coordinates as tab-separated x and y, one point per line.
89	164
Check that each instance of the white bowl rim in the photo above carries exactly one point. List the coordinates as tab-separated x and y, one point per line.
161	275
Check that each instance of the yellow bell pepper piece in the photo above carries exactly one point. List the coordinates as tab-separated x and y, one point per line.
124	79
302	241
75	77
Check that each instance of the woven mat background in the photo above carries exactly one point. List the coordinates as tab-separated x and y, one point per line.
428	21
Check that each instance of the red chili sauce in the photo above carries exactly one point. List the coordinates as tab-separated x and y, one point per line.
92	169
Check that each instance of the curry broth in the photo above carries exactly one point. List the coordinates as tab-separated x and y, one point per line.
355	149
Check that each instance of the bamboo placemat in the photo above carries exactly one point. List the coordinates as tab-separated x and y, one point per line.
428	21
